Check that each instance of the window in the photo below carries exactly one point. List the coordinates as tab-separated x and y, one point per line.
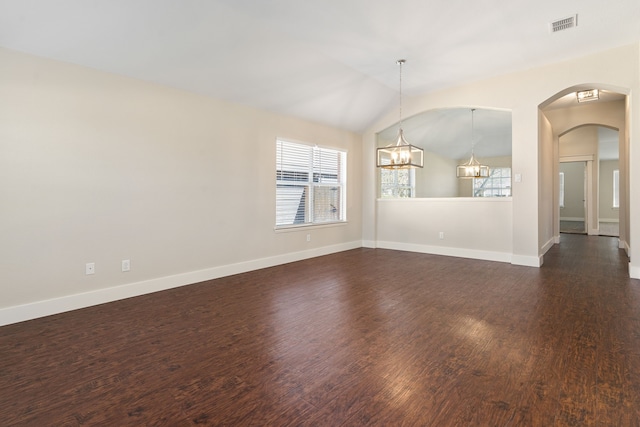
497	184
616	188
562	189
396	183
310	184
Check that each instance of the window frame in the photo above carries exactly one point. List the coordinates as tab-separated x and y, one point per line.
313	178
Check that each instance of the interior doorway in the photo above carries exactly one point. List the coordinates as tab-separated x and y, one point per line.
570	129
589	181
573	197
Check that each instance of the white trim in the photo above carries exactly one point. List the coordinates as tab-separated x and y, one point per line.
447	251
634	272
307	226
585	158
20	313
556	239
445	199
526	260
545	248
369	244
610	220
624	245
571	218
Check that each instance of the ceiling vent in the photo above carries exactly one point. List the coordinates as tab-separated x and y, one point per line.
563	24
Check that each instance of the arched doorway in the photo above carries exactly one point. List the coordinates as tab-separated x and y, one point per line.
589	190
562	116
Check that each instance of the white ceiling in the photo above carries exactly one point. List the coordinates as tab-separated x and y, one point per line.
331	61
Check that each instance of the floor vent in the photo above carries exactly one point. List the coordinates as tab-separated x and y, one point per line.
563	24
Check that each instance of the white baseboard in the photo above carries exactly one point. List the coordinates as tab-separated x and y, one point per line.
634	271
532	262
548	245
448	251
624	245
20	313
369	244
526	260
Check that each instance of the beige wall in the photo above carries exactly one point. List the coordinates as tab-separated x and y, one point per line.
472	238
99	168
438	179
579	141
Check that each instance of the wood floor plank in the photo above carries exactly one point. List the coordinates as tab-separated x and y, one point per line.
362	337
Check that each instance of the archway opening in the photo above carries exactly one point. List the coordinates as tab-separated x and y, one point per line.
588	132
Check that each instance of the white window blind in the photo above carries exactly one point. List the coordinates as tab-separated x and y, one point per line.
310	184
616	188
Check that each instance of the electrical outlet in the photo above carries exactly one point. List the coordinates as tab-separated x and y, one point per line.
441	235
90	268
126	265
308	237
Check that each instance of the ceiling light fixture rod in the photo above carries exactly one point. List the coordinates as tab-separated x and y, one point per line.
402	155
400	62
473	168
473	141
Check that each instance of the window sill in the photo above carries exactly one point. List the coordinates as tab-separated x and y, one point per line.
445	199
289	228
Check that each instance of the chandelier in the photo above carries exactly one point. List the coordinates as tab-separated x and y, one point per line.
473	168
402	155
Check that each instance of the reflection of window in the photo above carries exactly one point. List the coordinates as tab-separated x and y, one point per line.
397	183
616	188
310	184
562	189
497	184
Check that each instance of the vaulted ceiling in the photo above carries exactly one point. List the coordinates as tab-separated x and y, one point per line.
330	61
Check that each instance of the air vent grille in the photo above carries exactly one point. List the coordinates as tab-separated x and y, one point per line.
563	24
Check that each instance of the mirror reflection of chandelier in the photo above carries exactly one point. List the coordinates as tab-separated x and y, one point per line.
472	168
402	155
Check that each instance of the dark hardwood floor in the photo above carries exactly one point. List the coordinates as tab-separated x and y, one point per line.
364	337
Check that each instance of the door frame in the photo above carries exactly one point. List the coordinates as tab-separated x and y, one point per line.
589	212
